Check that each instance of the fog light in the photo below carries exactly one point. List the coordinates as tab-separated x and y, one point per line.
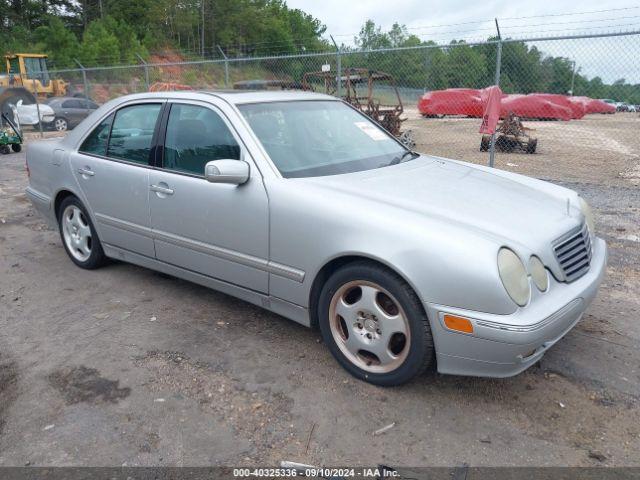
458	324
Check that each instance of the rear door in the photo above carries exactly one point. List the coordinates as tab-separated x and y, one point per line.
112	169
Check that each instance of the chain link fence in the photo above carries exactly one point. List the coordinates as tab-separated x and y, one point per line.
560	88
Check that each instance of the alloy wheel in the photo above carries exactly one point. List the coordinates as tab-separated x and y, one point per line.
369	326
77	233
60	124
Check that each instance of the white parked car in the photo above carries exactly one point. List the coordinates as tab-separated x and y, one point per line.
28	114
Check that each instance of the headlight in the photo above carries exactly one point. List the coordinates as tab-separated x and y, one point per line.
538	273
514	276
588	215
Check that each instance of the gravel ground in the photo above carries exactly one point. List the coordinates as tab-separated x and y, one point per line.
602	149
126	366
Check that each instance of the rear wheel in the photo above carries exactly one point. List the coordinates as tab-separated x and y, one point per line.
532	145
375	325
79	238
4	149
16	147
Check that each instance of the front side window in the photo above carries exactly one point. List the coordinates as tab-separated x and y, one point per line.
37	68
196	135
96	142
132	132
316	138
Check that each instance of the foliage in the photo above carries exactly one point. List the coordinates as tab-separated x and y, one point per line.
61	43
109	42
524	69
106	32
240	27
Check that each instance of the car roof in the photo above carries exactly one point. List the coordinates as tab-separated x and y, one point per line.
236	97
243	96
63	99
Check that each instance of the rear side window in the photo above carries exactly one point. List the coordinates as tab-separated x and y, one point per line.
96	142
132	132
71	104
196	135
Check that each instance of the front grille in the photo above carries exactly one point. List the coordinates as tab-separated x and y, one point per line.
573	252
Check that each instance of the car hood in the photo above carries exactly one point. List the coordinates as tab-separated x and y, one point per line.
518	209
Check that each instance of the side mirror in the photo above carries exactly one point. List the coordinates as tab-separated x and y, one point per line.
235	172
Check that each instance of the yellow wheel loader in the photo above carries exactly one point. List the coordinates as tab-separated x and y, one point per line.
25	77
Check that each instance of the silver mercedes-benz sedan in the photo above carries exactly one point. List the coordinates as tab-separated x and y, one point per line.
300	204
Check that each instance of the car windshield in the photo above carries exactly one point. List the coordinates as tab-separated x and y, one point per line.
318	137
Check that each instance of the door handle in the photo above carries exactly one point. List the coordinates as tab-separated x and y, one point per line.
86	171
161	189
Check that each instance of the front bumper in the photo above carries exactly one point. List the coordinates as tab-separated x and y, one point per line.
505	345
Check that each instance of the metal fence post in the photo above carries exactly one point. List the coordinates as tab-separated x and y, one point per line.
146	70
226	67
84	78
338	68
492	150
35	91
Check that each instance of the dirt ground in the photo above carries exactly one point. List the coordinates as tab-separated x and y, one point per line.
124	366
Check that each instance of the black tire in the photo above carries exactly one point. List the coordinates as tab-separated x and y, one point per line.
97	258
421	353
16	147
505	144
532	145
4	149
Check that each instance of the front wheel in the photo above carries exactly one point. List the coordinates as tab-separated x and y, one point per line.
79	238
375	325
60	124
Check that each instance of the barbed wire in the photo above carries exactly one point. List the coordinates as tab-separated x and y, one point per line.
572	13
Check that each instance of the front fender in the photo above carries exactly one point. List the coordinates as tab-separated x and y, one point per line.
444	263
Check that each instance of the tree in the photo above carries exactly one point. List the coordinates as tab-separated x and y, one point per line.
465	67
59	42
109	41
99	45
371	37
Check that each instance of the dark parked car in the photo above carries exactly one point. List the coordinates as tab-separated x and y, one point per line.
70	111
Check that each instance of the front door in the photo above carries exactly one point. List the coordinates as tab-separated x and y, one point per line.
218	230
73	110
112	170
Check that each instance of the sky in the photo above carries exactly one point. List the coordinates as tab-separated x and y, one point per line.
444	20
345	18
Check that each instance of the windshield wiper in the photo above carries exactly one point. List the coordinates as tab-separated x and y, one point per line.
402	157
